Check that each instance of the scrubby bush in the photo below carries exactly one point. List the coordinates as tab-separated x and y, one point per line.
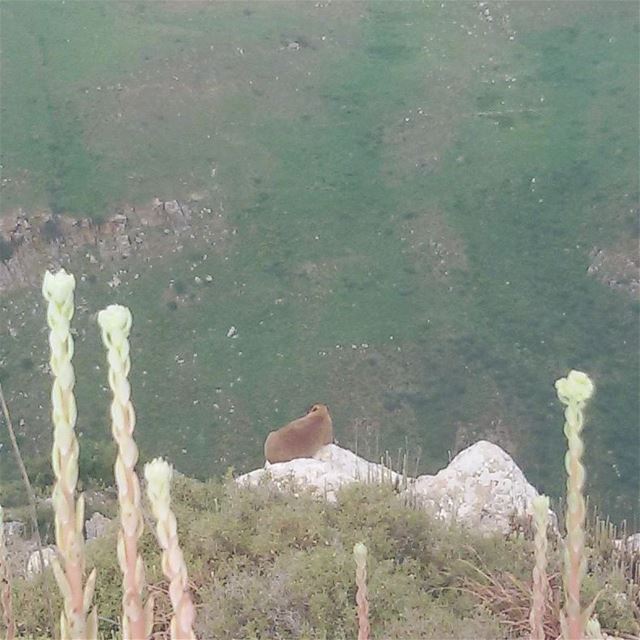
268	564
279	565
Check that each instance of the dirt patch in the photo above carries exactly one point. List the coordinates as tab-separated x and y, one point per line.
415	144
185	5
317	279
185	96
433	244
618	266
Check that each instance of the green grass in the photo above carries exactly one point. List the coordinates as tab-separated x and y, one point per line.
402	126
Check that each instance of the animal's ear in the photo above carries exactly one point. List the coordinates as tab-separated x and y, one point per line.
313	408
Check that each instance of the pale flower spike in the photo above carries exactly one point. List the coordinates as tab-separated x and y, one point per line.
362	602
115	323
158	475
573	391
58	289
576	387
540	582
75	620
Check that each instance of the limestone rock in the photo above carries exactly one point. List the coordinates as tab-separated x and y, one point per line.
33	564
178	214
172	207
630	544
331	468
482	487
96	526
13	528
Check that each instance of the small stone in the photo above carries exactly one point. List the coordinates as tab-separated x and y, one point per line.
34	566
13	528
96	526
172	207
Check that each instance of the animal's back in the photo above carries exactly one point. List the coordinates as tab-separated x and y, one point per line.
301	438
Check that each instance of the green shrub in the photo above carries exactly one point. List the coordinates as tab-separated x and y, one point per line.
274	565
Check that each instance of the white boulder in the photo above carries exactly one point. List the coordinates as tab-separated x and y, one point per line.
482	487
331	468
13	528
34	565
97	526
630	544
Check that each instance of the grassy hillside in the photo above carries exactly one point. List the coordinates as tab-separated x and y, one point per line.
411	195
266	564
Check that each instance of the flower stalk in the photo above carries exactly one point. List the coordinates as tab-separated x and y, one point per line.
158	475
574	391
360	557
540	581
76	619
115	323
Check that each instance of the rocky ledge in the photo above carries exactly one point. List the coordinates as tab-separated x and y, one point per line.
482	487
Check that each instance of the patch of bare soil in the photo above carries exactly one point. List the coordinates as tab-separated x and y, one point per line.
421	135
166	96
186	5
618	266
315	280
433	244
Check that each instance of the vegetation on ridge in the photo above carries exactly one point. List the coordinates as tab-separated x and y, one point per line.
267	564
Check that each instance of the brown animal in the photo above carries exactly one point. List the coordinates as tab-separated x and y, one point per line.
301	438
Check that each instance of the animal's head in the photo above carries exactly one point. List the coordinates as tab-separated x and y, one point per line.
320	410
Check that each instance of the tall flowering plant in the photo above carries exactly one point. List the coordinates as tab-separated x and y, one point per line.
540	581
362	602
115	322
158	475
77	619
574	391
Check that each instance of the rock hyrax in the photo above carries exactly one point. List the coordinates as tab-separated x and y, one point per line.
301	438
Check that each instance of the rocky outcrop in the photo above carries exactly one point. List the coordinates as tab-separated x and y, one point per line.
482	487
331	468
13	528
34	564
27	556
97	526
630	544
34	241
617	267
